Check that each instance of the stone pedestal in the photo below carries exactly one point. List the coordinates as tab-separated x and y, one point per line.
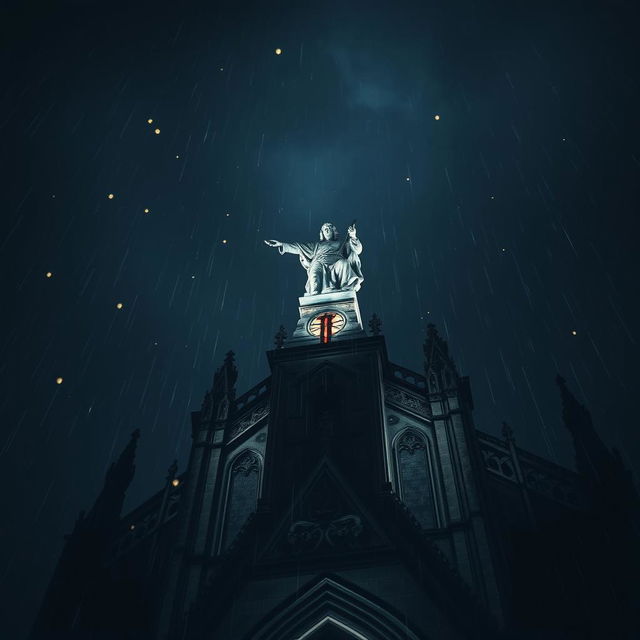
343	307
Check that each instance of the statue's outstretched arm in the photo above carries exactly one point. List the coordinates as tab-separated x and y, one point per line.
290	247
306	250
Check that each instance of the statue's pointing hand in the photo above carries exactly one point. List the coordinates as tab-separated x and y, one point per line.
352	231
273	243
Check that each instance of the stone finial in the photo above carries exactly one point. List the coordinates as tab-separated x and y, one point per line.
375	325
507	432
172	470
280	337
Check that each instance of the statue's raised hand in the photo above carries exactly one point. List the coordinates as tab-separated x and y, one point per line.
273	243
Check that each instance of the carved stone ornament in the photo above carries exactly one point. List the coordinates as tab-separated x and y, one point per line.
375	325
247	463
410	442
249	420
308	536
404	399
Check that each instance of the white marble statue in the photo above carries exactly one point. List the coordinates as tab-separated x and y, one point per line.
331	264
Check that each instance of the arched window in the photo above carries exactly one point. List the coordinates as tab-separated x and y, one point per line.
242	494
414	476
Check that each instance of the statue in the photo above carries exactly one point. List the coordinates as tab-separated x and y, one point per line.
331	264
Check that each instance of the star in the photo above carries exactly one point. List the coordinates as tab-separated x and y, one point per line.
278	52
119	305
59	380
110	196
150	121
157	132
49	274
436	117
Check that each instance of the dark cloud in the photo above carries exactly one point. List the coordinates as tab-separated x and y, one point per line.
375	83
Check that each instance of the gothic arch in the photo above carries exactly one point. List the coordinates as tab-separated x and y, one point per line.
329	624
244	475
413	457
331	602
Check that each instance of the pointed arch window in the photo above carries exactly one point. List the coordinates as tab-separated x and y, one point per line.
242	493
415	477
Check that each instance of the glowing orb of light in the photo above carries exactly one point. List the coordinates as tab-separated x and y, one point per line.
436	117
157	132
49	274
175	482
119	305
278	52
150	120
110	196
58	380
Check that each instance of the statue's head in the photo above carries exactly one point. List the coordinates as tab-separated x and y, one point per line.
328	231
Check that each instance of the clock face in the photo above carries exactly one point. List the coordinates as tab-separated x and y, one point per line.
337	323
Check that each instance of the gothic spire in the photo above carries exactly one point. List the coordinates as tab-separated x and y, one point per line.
592	457
439	367
223	392
604	470
107	507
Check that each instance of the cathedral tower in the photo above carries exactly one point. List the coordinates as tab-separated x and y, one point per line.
343	497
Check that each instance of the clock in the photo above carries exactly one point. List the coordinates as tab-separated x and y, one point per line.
326	324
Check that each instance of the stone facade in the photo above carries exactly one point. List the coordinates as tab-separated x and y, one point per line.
345	497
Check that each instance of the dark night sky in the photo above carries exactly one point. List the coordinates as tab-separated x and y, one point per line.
510	222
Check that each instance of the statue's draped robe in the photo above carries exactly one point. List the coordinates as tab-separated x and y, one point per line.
329	265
